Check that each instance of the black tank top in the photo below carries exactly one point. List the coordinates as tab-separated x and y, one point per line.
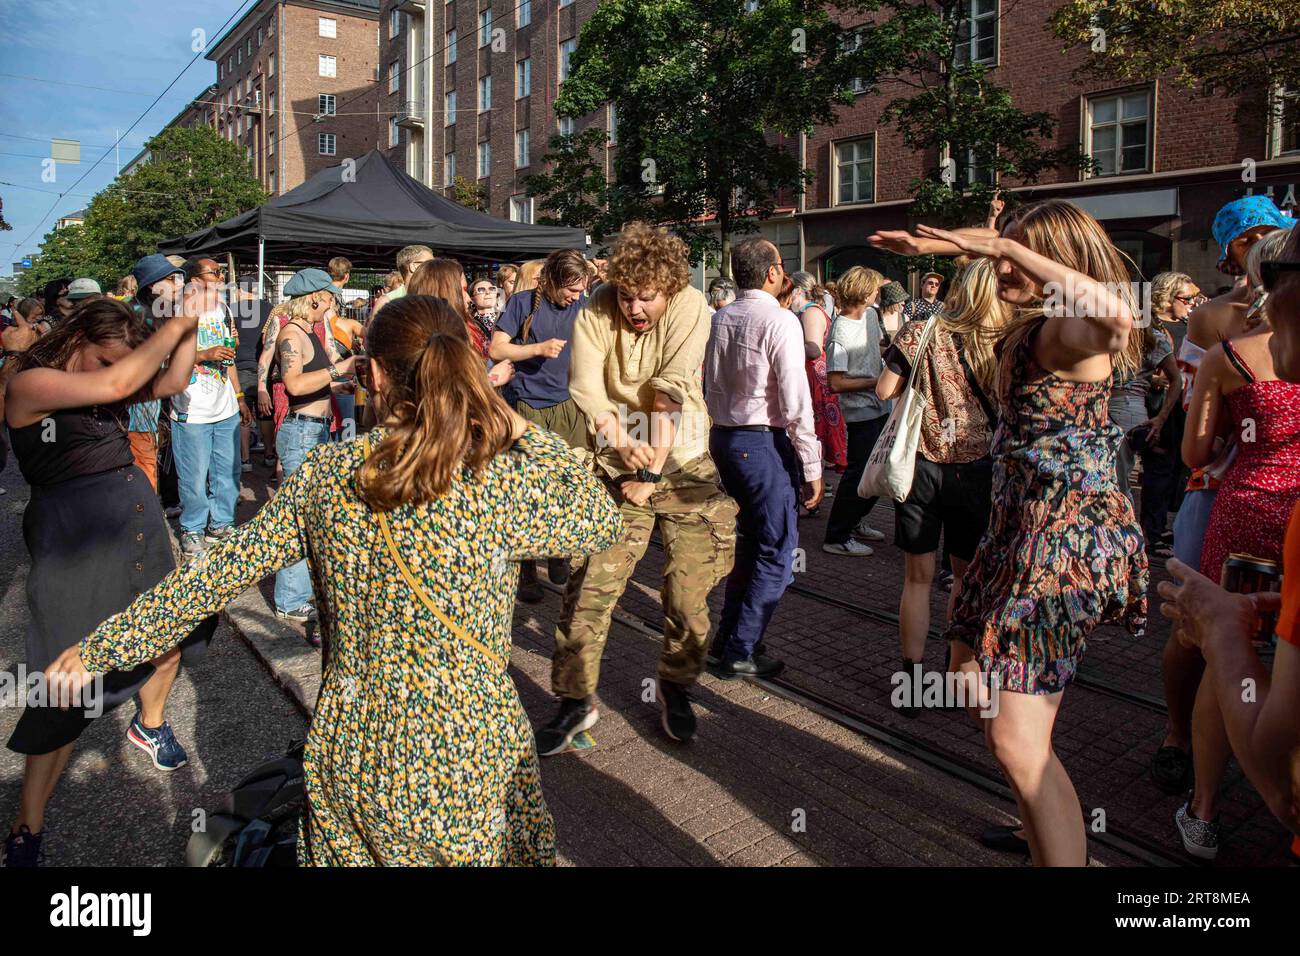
319	361
73	443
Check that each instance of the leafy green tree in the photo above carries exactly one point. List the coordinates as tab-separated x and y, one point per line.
1216	47
710	98
194	179
66	253
4	226
469	192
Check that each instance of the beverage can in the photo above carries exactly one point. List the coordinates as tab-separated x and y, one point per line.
1247	574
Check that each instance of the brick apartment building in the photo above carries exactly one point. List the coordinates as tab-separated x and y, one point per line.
453	102
297	86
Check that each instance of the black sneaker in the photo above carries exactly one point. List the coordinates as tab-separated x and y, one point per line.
1171	770
24	848
530	589
678	719
557	569
1004	839
758	665
575	716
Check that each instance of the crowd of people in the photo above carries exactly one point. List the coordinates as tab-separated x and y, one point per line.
433	450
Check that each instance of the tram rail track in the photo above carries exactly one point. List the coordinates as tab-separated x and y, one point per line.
954	765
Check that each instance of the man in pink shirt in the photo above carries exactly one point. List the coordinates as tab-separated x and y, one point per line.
765	449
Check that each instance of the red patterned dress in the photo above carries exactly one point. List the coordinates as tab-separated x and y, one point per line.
1262	485
828	420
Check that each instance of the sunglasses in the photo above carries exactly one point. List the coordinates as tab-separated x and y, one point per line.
1271	271
1187	299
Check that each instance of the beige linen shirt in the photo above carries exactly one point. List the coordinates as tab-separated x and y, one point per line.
617	370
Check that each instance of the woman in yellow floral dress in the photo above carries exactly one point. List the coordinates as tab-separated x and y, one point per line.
420	752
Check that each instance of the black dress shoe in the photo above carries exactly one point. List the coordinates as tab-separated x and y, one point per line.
756	666
678	718
530	589
1004	840
557	569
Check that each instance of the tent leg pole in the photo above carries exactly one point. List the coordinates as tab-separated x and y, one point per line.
261	268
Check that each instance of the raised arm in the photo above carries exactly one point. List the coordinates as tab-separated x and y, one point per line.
907	244
34	393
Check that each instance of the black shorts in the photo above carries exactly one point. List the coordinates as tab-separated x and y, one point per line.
950	499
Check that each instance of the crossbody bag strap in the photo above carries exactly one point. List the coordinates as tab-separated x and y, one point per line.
420	593
973	382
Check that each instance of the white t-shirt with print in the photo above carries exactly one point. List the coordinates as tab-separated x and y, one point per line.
210	396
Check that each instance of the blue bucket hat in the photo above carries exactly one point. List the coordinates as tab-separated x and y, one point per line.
308	281
1243	214
153	269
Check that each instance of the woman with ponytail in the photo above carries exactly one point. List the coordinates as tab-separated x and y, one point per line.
420	752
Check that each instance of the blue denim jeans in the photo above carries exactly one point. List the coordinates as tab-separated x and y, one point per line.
207	471
295	439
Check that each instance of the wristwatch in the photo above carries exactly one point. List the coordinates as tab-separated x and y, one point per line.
645	474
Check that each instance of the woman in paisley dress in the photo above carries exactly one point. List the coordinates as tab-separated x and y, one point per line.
420	752
1063	553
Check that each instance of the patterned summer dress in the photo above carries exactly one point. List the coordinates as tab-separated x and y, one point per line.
1260	488
828	420
420	752
1063	552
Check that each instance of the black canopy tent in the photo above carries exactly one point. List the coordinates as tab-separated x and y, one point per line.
367	209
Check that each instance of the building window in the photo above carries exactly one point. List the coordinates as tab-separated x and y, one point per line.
521	209
449	109
248	47
523	77
394	132
395	25
852	43
329	28
566	51
271	103
977	171
613	125
325	144
484	159
394	77
239	57
448	168
977	32
521	147
451	47
856	165
270	143
566	125
1285	128
328	66
484	27
270	181
270	65
484	93
525	11
260	37
270	25
221	72
325	104
1119	133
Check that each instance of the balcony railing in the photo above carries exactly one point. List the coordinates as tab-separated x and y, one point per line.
410	114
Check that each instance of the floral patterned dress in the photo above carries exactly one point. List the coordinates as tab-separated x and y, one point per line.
1063	553
828	420
420	752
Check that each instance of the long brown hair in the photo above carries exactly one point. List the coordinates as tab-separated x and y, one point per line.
101	321
1063	232
973	310
562	268
445	415
441	278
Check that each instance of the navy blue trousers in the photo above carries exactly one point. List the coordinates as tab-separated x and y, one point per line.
761	471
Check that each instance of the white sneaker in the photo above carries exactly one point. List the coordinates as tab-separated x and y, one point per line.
851	548
865	532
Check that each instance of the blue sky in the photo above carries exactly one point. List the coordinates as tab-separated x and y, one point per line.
134	47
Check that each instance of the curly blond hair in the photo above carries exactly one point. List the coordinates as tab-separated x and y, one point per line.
649	257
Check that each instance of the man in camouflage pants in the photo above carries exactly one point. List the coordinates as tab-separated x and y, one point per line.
638	348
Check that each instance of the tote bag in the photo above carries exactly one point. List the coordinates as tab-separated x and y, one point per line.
892	464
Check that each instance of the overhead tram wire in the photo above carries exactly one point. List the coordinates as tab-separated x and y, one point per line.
138	120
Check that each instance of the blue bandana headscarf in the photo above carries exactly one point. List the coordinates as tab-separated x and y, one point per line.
1242	214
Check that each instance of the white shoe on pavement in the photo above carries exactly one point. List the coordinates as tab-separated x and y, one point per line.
850	548
865	532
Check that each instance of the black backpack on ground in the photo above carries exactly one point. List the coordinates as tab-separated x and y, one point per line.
256	824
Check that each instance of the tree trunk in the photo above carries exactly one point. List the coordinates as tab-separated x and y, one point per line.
724	229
